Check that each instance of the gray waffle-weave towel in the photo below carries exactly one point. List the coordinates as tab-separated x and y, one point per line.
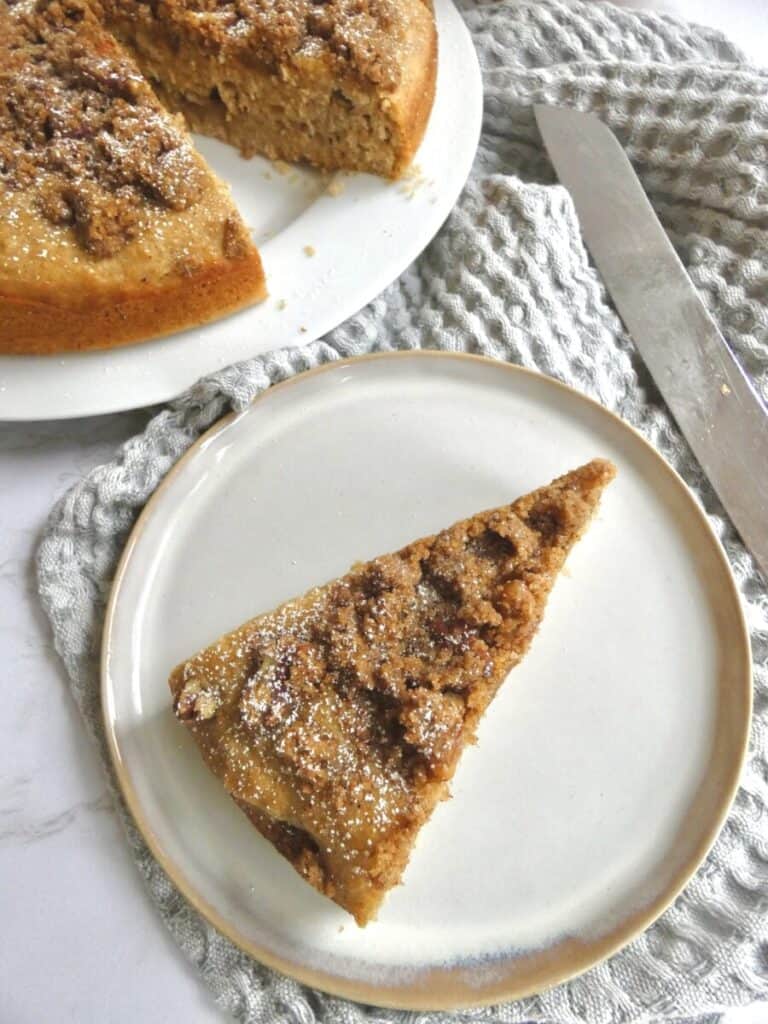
508	276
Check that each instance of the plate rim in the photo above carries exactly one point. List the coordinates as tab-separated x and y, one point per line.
101	372
410	996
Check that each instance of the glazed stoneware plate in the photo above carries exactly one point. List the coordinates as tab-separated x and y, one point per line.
605	766
362	233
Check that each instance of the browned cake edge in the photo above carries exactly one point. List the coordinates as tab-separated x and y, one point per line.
108	318
417	106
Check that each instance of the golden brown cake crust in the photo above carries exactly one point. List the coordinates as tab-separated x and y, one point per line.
120	317
415	95
336	721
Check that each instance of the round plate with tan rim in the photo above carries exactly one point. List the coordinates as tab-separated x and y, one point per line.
362	232
606	764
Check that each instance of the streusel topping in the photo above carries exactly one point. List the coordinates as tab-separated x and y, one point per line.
357	37
80	127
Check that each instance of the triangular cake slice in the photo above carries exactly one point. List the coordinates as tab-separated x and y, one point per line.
112	228
337	720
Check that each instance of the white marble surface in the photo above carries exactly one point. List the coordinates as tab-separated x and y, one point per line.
80	941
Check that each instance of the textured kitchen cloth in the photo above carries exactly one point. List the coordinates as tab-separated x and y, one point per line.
508	277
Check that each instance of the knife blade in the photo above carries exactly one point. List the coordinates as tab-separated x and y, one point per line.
713	401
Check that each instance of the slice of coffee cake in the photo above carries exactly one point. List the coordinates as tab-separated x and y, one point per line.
337	720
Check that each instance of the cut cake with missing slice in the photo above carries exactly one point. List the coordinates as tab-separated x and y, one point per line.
336	721
112	229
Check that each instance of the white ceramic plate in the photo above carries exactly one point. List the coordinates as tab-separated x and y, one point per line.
363	238
607	762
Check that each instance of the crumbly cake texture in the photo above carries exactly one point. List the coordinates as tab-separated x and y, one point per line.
341	84
337	720
111	226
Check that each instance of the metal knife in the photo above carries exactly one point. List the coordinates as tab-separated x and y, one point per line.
715	405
